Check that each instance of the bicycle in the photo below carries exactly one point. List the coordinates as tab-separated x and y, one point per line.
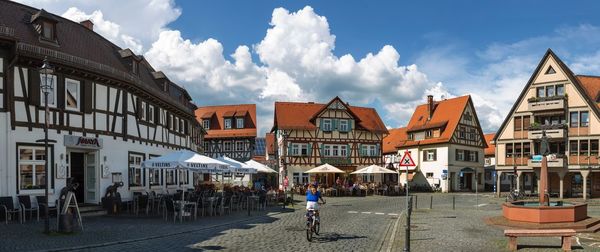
313	223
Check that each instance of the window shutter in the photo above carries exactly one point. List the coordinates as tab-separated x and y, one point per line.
309	149
377	148
321	124
435	155
88	99
289	150
138	107
322	150
335	124
348	150
59	88
351	124
34	87
360	150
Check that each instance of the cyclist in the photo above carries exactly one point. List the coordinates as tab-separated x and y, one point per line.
312	199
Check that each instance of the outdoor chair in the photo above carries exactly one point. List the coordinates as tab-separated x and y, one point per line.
234	202
42	205
26	206
226	205
8	207
169	209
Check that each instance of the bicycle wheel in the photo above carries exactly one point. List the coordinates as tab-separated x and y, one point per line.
308	232
317	228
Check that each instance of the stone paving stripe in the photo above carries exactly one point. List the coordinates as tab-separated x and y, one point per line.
393	214
480	205
366	212
352	212
380	213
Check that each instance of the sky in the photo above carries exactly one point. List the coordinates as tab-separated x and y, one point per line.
384	54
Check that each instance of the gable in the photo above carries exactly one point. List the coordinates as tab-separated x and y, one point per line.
550	72
469	120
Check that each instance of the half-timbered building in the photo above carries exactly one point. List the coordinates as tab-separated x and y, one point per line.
566	107
231	130
446	143
310	134
109	110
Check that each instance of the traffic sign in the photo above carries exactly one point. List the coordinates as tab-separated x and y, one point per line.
407	160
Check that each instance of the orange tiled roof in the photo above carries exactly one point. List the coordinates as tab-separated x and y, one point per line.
298	115
446	115
491	149
217	113
270	143
591	85
396	137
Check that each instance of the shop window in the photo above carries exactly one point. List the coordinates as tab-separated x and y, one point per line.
135	169
170	174
32	167
72	96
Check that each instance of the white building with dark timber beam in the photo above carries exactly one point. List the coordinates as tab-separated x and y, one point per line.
109	110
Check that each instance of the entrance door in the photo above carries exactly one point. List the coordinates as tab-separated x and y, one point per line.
90	178
469	181
77	163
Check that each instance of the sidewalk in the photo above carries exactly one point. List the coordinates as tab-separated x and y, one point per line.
103	230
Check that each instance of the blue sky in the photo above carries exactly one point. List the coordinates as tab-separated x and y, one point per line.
386	54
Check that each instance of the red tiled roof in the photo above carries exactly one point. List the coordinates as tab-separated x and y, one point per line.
491	149
270	143
299	115
395	138
208	115
217	124
591	85
446	113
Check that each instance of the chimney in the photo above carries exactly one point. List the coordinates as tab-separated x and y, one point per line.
430	106
87	24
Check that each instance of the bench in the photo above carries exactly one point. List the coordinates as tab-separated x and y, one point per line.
565	234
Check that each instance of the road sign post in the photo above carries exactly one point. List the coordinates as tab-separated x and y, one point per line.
407	161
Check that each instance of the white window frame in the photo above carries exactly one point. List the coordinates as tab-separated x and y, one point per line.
53	92
335	150
239	123
239	144
326	125
150	113
472	156
170	177
227	123
461	155
429	175
327	150
33	162
78	94
135	163
430	155
227	146
295	150
184	177
343	150
181	125
206	124
303	150
344	125
143	112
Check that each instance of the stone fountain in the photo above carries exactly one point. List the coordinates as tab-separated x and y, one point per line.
544	211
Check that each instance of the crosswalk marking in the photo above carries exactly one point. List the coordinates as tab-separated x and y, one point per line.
393	214
377	213
352	212
366	212
380	213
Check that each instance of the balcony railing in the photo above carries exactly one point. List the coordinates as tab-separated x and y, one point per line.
336	160
552	131
546	103
553	161
7	31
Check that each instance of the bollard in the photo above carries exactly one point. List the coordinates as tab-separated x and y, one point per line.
453	202
431	202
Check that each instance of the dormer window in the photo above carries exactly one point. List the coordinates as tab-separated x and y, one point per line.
227	123
206	124
239	123
134	67
47	30
428	134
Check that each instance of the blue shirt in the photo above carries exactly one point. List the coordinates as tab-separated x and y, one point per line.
313	197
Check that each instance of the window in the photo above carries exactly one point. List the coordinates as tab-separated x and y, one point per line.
468	116
296	178
181	125
227	146
518	123
462	131
326	124
171	121
573	147
526	149
509	150
473	156
304	150
227	123
526	122
488	161
540	92
429	175
368	150
304	178
594	147
327	150
135	169
170	176
460	155
184	177
430	155
239	146
428	134
560	90
344	125
51	79
583	147
584	117
239	123
48	30
175	123
343	151
143	111
154	177
134	66
206	146
332	150
550	91
295	150
150	113
410	136
336	150
517	149
206	124
574	120
32	167
72	97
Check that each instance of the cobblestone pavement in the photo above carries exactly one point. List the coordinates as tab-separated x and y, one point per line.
374	223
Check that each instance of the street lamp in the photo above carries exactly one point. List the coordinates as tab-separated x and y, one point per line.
47	86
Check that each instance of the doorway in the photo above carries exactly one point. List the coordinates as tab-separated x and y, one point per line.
83	171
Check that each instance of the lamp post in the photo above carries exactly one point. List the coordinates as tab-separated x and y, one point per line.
47	86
